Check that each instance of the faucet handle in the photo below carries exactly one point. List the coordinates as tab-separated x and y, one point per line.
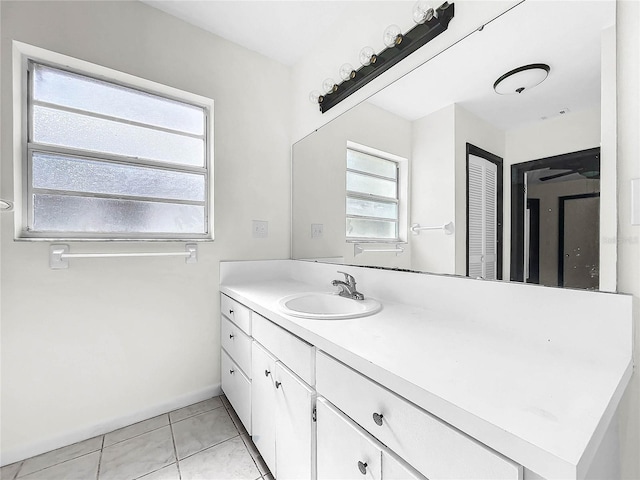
348	278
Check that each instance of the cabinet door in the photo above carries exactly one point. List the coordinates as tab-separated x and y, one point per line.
263	404
295	428
345	451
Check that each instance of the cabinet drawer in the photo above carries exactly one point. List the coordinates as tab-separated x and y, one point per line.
296	354
236	312
237	344
433	447
237	387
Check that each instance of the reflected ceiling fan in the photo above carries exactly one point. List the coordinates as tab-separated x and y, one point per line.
586	172
588	167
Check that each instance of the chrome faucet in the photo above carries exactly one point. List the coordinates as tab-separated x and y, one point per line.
348	287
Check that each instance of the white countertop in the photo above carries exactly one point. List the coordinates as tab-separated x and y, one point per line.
537	404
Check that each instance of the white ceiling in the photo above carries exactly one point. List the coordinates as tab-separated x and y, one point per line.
283	30
565	35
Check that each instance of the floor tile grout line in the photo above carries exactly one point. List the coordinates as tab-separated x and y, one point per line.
153	471
16	476
255	457
175	449
58	463
191	416
100	459
138	423
240	428
210	446
134	436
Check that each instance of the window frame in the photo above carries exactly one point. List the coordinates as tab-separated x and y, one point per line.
24	58
398	200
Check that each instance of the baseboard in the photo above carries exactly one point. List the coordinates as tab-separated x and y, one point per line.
77	435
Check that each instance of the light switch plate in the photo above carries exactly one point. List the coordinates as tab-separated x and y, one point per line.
635	201
260	229
317	230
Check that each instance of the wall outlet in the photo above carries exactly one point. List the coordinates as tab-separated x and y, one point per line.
316	230
260	229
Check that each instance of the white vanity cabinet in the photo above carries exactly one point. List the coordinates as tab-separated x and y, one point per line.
345	450
431	446
283	403
312	417
235	331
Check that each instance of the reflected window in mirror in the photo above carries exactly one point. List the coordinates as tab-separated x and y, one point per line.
372	195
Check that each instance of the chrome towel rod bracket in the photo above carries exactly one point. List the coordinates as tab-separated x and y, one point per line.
59	255
448	228
358	249
6	205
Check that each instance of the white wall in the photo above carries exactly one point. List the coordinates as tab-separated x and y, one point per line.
433	190
549	194
562	134
319	182
112	341
471	129
628	236
439	184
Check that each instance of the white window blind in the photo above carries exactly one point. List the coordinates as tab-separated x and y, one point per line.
482	218
372	197
105	160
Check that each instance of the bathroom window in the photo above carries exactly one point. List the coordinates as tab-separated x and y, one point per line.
372	200
112	160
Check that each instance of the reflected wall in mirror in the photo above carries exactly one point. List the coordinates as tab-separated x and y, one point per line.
427	120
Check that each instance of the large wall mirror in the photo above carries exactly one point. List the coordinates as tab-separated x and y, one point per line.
444	172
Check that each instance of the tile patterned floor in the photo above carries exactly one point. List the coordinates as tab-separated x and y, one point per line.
201	441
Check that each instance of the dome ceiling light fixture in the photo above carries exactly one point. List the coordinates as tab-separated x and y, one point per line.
522	78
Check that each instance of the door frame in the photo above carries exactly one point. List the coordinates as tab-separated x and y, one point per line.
490	157
561	201
533	204
518	171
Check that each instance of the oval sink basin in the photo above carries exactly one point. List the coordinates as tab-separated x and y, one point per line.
327	306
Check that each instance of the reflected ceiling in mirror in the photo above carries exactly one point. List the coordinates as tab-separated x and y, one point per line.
426	120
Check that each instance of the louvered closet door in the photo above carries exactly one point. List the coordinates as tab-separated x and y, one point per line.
483	225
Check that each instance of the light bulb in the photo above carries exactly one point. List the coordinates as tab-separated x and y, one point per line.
423	12
367	56
315	97
347	72
329	85
392	36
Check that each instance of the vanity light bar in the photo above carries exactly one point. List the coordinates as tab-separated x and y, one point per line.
411	41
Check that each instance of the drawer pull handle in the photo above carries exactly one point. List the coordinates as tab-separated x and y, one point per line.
266	373
377	417
231	371
278	384
362	467
231	335
230	312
